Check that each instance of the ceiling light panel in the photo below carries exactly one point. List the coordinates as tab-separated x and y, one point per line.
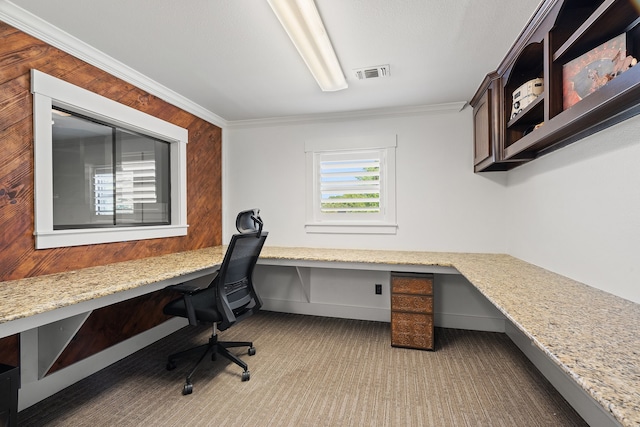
302	22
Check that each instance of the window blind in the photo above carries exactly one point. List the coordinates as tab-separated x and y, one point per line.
350	186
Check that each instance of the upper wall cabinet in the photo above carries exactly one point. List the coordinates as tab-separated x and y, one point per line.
485	137
570	74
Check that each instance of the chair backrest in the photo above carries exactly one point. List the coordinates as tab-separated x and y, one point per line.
236	296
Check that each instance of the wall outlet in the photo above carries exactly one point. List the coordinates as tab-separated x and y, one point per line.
378	289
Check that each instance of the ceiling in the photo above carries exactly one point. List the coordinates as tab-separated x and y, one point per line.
233	59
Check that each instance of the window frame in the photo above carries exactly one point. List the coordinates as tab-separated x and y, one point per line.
49	91
352	223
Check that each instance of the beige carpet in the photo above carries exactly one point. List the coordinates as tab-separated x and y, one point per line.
315	371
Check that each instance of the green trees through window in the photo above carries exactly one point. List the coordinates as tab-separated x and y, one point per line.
350	186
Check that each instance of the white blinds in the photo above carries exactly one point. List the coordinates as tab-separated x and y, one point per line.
349	184
134	183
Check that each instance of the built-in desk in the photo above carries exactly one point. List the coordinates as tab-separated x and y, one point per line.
37	301
48	310
590	336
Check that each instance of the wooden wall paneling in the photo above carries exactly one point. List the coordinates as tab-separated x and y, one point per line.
19	53
110	325
207	198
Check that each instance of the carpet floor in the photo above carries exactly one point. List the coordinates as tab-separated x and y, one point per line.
316	371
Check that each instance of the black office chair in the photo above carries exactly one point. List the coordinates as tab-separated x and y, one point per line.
229	298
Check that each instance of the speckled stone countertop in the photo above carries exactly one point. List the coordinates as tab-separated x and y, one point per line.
27	297
591	335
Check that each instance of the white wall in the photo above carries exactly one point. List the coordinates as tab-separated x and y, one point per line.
350	294
441	204
577	211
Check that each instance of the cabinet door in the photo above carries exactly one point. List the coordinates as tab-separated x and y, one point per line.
412	330
483	147
487	112
413	284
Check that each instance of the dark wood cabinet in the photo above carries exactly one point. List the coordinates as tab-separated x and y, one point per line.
412	311
572	45
487	121
483	139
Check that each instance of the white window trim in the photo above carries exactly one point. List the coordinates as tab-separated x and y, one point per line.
315	223
49	91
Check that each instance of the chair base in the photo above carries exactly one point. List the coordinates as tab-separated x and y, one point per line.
215	347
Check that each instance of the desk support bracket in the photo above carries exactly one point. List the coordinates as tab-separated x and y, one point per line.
304	274
40	347
54	338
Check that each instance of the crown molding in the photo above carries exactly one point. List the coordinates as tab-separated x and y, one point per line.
42	30
350	115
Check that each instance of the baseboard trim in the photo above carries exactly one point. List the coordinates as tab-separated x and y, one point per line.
33	392
444	320
585	405
327	310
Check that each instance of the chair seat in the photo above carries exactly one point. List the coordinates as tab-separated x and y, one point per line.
204	303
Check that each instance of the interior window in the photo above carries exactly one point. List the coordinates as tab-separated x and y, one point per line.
105	176
103	172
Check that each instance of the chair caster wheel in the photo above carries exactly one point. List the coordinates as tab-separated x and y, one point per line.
252	351
171	365
187	389
246	376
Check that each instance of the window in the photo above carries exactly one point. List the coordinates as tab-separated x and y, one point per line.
105	176
104	172
352	185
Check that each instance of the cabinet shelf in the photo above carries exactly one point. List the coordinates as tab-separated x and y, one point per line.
605	23
531	115
614	102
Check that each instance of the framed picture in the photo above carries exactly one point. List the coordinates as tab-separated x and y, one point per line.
592	70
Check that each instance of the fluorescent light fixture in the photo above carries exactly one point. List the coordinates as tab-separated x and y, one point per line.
302	22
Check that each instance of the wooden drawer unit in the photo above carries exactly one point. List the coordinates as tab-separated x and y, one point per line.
412	310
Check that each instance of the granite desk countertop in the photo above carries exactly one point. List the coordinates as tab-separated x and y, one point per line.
590	334
35	295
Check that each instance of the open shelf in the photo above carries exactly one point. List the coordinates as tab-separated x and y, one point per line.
532	114
612	18
616	101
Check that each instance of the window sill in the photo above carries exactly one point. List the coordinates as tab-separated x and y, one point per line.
337	228
66	238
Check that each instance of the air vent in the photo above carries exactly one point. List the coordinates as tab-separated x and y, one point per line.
373	72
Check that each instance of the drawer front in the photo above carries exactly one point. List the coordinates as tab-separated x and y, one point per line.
412	285
412	303
412	330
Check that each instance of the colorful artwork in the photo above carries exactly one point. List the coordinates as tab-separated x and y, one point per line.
592	70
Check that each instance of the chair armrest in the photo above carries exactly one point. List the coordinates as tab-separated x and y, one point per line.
187	291
186	288
190	288
194	285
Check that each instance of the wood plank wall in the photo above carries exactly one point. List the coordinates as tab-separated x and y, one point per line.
19	53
